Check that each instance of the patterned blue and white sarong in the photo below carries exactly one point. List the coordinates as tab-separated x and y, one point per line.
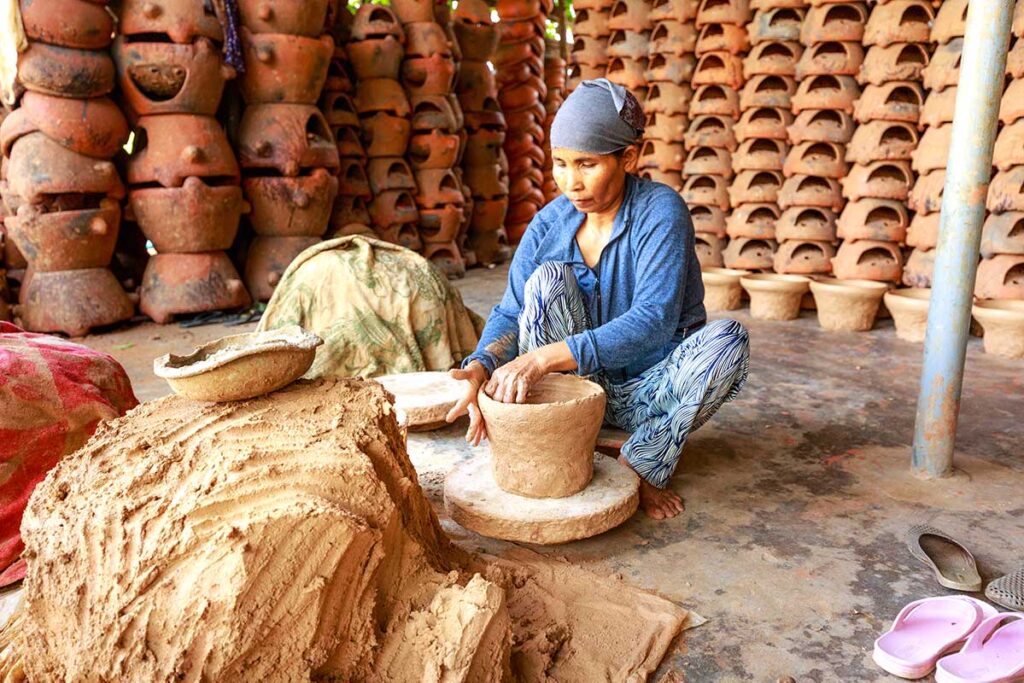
668	400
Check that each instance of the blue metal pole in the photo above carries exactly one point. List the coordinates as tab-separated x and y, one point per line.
975	120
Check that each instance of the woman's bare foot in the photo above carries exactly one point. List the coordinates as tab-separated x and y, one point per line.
657	503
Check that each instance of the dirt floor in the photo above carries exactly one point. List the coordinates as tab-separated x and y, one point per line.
797	496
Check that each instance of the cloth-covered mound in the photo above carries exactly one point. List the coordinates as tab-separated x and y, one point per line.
380	309
53	393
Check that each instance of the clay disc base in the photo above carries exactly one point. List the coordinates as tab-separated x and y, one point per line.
474	501
424	397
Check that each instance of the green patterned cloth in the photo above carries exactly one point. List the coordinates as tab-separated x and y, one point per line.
380	308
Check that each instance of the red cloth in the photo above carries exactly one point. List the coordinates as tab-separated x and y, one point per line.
53	394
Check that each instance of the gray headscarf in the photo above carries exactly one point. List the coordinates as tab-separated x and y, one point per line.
598	117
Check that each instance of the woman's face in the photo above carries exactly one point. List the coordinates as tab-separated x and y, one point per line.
593	182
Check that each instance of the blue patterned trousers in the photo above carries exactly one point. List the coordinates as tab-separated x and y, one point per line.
668	400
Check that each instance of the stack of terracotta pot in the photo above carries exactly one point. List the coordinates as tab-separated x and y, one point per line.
630	24
11	259
588	58
554	80
670	65
1001	271
519	61
62	189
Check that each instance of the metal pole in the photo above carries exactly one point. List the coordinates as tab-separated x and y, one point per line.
980	88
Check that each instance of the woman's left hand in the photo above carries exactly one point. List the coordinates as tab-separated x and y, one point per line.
511	383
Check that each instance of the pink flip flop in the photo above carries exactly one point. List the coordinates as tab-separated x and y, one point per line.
925	630
993	654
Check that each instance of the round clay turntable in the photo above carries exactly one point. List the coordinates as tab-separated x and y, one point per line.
424	397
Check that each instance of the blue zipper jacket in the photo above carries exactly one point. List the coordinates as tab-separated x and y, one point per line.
644	296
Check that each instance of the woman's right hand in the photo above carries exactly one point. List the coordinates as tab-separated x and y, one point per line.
475	375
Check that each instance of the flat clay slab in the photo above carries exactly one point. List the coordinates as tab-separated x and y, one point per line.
424	397
473	500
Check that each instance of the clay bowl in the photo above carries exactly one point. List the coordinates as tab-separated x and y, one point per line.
240	366
774	296
847	305
722	290
909	310
544	448
1003	321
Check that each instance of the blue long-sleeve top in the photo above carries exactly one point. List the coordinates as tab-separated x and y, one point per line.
644	295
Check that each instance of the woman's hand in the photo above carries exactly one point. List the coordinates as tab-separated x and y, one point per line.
511	383
475	374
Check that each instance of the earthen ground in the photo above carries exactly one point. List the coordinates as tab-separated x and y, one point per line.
797	495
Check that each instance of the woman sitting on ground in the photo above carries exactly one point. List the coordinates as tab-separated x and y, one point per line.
606	284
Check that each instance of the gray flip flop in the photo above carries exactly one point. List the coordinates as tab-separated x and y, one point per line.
1008	590
953	564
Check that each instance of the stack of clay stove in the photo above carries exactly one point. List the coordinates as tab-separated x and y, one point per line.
62	189
285	145
588	58
519	61
484	165
710	138
554	80
628	46
670	66
1001	271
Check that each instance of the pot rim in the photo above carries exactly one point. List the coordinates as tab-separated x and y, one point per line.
775	282
589	391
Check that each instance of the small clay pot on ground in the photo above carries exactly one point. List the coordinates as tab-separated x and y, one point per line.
909	310
544	448
1003	321
847	305
774	296
722	290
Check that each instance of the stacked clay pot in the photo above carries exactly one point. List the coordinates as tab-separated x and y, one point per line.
62	191
11	259
484	164
588	58
1001	271
554	80
628	45
823	124
286	149
519	61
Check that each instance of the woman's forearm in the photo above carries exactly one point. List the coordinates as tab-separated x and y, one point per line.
556	358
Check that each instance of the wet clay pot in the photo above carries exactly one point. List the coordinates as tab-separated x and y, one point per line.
190	283
267	260
181	20
385	135
1000	277
433	75
909	311
1003	322
172	147
885	220
284	68
750	254
66	240
774	296
899	101
167	78
722	290
65	71
709	250
544	448
280	16
40	166
425	39
94	128
291	207
868	260
191	218
376	57
72	301
286	137
69	23
479	41
807	223
847	305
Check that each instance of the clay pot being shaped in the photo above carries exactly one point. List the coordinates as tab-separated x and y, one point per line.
69	23
756	221
847	305
1003	322
437	188
65	71
899	21
267	260
823	159
804	257
823	125
284	68
950	21
900	101
706	190
830	58
95	127
704	160
167	78
171	147
715	100
763	122
72	301
746	253
274	16
181	20
710	131
909	310
1000	277
773	58
900	62
932	153
722	290
376	21
826	92
755	186
434	75
775	296
544	448
780	23
868	260
719	68
381	95
881	140
709	250
874	219
291	207
707	219
843	22
943	71
191	218
768	91
1005	192
722	38
1003	234
66	240
879	179
808	224
435	149
926	195
670	69
923	231
385	135
723	12
39	166
760	154
667	127
286	137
